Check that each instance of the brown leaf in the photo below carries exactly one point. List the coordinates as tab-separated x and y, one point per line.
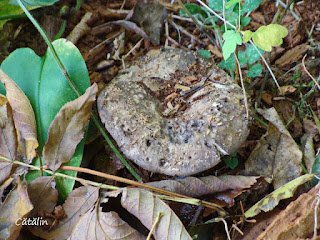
77	204
146	208
16	206
151	16
67	129
3	187
43	194
298	216
8	138
276	155
23	114
108	226
195	187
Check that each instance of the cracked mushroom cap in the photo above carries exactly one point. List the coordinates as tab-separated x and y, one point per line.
174	113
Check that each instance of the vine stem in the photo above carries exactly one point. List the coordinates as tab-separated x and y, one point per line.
75	89
167	195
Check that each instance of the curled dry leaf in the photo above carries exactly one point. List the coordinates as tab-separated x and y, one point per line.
270	201
77	204
107	225
16	206
43	194
276	153
8	138
67	129
23	114
195	187
299	219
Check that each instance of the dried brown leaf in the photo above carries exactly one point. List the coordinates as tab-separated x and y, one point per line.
146	208
43	194
77	204
107	225
16	206
67	129
3	187
8	138
298	216
23	114
195	187
276	155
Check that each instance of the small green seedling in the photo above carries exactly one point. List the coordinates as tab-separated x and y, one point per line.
231	161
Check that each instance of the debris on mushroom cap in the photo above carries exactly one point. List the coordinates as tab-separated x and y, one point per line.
174	113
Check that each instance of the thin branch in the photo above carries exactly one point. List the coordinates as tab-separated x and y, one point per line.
171	195
309	74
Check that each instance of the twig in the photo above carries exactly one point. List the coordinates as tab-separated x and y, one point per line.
182	18
292	12
106	41
172	196
75	89
309	74
224	15
156	221
80	29
183	30
131	50
225	226
242	86
176	43
196	21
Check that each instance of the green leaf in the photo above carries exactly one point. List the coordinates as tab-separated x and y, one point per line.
316	166
34	3
232	39
231	161
232	3
269	36
228	64
247	36
216	5
252	55
204	53
255	70
48	90
271	200
245	21
195	10
250	5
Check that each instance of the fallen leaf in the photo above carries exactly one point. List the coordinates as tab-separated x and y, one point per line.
287	89
146	207
8	138
299	219
196	187
308	151
43	194
276	155
107	225
77	204
151	16
16	206
3	187
67	129
270	201
23	114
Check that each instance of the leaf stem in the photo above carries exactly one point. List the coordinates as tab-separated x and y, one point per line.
75	89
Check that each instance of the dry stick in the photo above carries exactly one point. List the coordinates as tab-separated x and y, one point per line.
175	196
309	74
196	21
242	86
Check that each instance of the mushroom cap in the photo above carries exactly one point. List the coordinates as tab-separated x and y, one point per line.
213	124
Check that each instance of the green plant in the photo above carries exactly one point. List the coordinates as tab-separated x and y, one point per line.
231	161
50	82
235	16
